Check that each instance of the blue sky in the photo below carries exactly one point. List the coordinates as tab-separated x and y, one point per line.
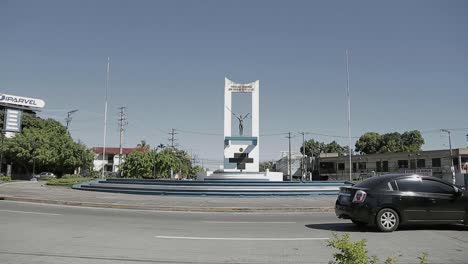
408	66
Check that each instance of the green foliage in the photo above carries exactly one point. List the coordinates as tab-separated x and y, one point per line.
5	179
195	170
371	142
138	164
171	158
356	252
391	260
47	143
313	148
267	165
68	181
349	252
423	258
152	164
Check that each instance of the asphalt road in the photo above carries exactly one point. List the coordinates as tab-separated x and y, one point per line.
37	233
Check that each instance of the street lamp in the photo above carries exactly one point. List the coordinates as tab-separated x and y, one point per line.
69	117
452	168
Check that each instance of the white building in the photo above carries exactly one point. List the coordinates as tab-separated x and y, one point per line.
111	159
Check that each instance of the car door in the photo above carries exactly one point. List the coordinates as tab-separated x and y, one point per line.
443	203
411	199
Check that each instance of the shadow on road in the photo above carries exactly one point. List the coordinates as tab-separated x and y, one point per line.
349	227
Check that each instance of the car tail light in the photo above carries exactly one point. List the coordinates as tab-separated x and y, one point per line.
359	197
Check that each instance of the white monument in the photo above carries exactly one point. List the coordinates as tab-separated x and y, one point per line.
241	152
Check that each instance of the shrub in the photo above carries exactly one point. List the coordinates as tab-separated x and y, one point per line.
5	179
349	252
69	181
356	253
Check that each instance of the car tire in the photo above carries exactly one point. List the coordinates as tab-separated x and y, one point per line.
387	220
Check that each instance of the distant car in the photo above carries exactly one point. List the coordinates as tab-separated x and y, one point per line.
45	175
391	200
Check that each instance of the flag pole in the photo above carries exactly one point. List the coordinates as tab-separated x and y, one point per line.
349	118
105	119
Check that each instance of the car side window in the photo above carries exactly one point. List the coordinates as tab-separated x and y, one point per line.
420	185
437	187
410	185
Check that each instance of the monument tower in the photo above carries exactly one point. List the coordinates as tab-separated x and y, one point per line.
241	152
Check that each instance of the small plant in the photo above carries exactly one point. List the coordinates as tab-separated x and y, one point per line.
5	179
350	252
391	260
423	258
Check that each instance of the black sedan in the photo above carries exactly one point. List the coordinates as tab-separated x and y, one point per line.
390	200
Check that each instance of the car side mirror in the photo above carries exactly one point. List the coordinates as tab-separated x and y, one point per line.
458	192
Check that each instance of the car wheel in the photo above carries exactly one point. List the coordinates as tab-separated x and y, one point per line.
387	220
359	223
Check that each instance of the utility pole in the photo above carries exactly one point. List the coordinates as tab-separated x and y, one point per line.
172	139
452	168
1	148
304	170
69	117
289	156
122	123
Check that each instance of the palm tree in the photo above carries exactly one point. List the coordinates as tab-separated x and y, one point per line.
143	146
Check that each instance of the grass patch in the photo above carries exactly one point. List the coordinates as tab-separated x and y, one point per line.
68	181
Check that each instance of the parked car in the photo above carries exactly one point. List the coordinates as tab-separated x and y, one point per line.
390	200
45	175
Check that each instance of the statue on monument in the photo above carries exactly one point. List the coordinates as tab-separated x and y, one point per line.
241	122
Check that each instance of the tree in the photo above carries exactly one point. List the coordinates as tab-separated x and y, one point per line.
314	148
143	146
334	147
412	141
138	164
391	142
369	143
172	158
45	145
267	165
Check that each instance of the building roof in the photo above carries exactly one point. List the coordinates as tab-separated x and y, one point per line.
110	150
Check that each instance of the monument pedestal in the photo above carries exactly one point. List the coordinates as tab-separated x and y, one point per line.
240	176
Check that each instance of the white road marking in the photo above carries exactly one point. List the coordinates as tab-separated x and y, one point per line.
246	238
239	222
26	212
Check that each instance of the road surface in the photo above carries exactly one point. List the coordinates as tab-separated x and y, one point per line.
37	233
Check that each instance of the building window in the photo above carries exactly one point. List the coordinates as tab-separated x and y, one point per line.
436	163
110	158
378	166
341	166
402	164
421	163
385	166
362	165
354	167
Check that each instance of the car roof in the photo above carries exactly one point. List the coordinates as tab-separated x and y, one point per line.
390	177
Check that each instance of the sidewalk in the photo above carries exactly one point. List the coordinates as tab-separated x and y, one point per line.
40	193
